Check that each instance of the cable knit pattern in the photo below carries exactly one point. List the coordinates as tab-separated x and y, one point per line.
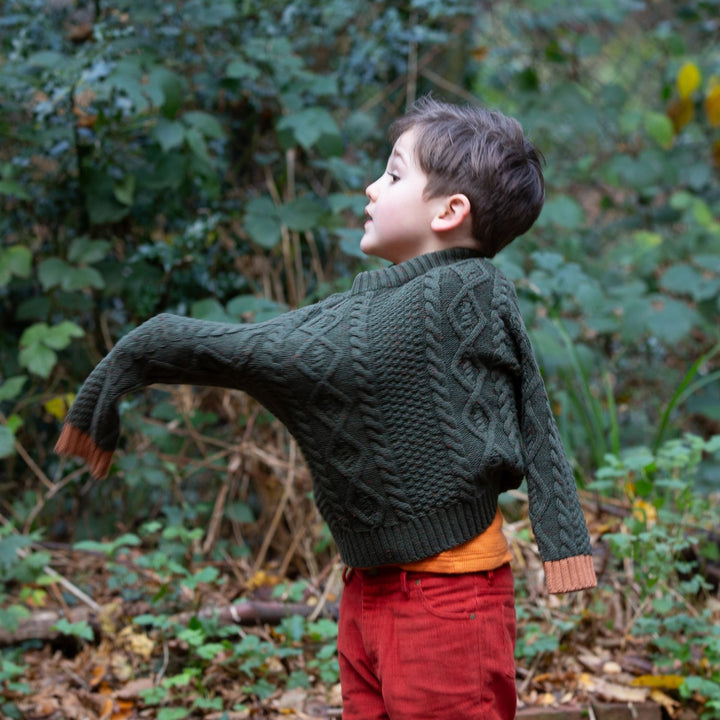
414	397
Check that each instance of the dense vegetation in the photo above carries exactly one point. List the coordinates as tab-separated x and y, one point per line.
208	157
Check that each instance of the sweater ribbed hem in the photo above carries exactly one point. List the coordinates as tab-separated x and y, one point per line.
399	274
418	538
570	574
78	443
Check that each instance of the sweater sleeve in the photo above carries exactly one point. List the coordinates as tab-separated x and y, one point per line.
555	512
174	350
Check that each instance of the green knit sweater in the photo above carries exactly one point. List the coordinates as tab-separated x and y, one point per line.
414	397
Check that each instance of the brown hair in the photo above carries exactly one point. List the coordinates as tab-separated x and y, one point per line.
484	155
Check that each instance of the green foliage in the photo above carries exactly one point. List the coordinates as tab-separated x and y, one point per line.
665	544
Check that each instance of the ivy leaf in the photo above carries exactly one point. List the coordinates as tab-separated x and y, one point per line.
10	187
309	125
209	309
671	320
7	449
125	189
60	336
350	241
660	128
38	359
169	134
82	250
79	629
301	214
680	279
238	69
562	211
262	222
172	88
196	143
15	260
12	387
52	272
39	342
206	124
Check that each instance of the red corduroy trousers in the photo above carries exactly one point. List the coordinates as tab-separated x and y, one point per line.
416	646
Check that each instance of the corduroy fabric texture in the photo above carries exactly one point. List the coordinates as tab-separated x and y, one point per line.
415	398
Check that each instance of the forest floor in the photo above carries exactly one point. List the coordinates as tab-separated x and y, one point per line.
94	644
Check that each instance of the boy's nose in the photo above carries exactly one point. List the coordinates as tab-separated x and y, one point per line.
371	191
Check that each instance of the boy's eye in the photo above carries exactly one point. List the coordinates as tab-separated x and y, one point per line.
393	176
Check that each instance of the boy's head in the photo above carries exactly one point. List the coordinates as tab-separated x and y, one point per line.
483	155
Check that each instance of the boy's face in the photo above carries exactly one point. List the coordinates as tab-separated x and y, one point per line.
399	218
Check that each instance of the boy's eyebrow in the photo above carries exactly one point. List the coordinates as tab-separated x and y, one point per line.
399	154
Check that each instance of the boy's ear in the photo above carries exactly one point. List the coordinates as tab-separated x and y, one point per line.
452	213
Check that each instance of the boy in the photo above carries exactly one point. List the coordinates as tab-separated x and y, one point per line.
416	399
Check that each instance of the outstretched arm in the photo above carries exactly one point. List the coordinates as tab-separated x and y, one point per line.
166	349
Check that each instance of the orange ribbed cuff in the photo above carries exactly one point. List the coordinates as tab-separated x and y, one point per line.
78	443
570	574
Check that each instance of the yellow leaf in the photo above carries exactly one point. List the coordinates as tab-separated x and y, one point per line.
688	79
644	511
136	643
664	682
670	705
59	405
712	106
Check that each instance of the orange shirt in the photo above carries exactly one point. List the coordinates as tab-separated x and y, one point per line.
487	551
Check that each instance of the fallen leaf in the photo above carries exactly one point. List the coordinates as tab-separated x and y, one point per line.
132	689
136	643
671	706
663	682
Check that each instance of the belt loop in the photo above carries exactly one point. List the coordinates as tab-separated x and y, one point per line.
491	577
403	582
347	574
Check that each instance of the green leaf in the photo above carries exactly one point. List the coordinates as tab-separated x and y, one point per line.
309	125
125	189
681	279
9	547
47	59
671	320
660	128
262	222
238	69
78	629
82	250
38	359
83	278
52	272
240	512
209	309
562	211
350	241
60	336
12	188
14	260
7	445
169	134
205	123
173	88
301	214
196	143
169	713
12	387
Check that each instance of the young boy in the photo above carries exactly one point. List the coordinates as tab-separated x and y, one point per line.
416	399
